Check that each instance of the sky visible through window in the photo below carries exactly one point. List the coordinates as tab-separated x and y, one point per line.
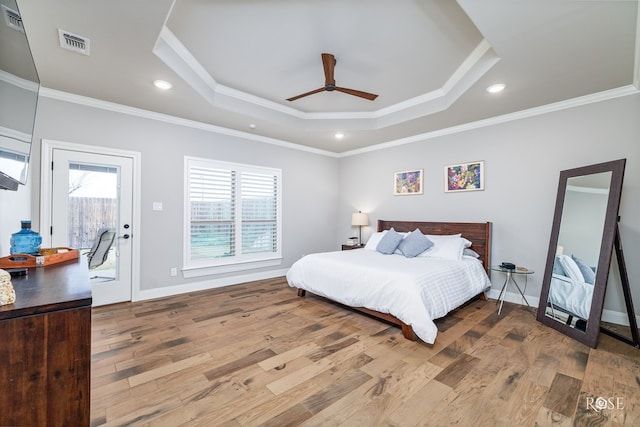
84	183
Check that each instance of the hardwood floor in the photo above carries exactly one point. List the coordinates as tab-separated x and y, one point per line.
257	354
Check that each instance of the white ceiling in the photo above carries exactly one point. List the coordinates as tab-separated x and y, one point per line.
235	62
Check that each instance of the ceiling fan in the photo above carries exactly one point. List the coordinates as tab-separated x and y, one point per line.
329	63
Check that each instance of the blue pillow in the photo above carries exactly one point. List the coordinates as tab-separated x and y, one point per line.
557	268
414	244
587	272
470	252
389	242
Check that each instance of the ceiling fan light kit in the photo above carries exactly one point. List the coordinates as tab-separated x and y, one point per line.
329	63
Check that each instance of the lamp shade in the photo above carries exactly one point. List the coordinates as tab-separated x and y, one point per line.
359	218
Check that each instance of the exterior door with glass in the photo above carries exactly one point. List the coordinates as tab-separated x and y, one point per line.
92	210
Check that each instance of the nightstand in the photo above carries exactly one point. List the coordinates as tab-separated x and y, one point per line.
510	272
349	247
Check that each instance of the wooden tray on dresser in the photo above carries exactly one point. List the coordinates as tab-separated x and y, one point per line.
47	257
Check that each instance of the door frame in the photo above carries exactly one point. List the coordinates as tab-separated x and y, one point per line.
46	197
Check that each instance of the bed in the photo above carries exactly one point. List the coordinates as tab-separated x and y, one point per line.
571	288
570	296
408	292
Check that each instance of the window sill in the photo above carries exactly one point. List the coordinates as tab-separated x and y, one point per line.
190	272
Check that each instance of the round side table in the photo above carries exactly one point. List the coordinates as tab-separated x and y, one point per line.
510	279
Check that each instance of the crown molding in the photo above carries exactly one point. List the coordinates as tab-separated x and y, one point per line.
558	106
531	112
19	81
166	118
177	57
589	190
14	134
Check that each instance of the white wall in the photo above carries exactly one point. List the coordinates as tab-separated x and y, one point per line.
523	160
14	207
309	185
583	218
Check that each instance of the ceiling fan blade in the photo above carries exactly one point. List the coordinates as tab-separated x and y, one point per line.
366	95
306	94
329	64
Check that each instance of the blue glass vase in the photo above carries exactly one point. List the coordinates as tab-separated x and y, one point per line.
25	241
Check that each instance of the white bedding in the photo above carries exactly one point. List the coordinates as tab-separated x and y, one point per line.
571	295
415	290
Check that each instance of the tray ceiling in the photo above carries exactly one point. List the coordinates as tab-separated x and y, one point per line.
233	63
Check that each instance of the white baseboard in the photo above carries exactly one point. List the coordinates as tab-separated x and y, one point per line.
513	297
146	294
617	317
610	316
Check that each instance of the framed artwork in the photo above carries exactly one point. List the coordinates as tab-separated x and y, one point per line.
464	177
407	182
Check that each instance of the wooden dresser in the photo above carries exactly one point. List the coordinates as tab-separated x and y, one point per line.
45	348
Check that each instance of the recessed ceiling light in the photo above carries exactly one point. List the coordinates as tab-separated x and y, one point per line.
339	135
498	87
162	84
252	125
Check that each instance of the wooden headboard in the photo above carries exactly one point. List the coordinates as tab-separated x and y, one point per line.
479	233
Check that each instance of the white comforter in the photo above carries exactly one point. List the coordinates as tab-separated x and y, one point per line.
415	290
571	295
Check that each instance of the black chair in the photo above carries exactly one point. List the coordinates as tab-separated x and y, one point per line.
101	245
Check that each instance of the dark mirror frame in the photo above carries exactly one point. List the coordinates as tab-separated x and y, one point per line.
590	335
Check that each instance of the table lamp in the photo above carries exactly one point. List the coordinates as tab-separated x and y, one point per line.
359	219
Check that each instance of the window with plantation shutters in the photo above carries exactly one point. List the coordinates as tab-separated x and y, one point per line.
233	214
212	208
259	193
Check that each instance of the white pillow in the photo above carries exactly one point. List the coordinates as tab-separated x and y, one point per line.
373	241
570	268
467	243
445	246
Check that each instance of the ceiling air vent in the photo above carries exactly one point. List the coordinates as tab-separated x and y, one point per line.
12	19
73	42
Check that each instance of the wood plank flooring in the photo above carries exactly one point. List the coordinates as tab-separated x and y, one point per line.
257	354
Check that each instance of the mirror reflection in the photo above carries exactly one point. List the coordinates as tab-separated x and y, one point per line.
19	86
578	250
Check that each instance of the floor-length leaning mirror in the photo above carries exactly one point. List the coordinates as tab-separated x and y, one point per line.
581	244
